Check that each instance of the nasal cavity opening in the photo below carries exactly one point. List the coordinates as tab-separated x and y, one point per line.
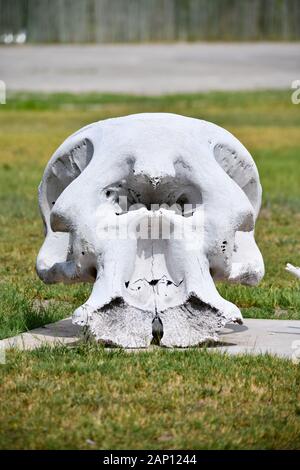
135	192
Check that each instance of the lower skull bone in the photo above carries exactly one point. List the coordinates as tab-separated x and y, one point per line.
151	213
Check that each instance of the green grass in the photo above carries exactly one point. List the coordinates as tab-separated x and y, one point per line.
161	399
88	398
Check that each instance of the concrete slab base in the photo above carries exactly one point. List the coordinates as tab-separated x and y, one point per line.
256	336
277	337
60	332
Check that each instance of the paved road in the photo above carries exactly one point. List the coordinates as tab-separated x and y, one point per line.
151	68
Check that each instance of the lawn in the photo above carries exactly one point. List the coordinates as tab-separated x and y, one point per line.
88	398
159	399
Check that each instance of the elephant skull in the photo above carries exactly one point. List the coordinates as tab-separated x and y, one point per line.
151	208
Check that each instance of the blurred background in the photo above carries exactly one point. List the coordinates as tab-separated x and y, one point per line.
149	46
102	21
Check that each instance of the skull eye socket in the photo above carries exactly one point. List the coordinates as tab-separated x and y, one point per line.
66	168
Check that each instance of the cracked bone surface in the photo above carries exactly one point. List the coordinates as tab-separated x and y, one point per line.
152	209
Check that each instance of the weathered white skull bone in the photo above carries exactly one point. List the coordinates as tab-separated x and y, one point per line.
157	286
